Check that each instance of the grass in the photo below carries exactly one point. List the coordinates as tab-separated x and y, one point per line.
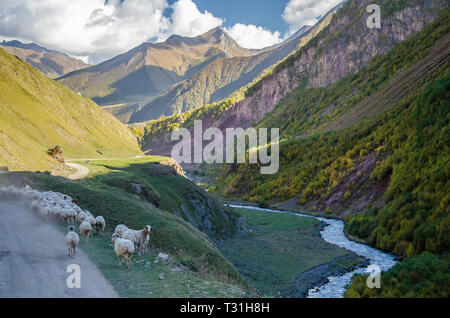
153	277
173	193
278	249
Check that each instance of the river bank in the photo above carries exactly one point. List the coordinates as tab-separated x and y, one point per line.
333	233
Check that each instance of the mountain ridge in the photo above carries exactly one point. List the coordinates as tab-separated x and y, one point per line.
151	68
49	62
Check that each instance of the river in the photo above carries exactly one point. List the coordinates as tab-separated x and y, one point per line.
334	233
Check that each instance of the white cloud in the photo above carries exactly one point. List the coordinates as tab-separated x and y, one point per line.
99	29
84	27
305	12
187	20
253	37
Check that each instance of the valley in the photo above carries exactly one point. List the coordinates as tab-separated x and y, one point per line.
362	176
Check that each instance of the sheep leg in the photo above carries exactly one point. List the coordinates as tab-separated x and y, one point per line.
129	260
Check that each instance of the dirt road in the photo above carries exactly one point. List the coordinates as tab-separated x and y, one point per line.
33	260
81	173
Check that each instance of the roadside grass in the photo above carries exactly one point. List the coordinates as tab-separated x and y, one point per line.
153	277
277	250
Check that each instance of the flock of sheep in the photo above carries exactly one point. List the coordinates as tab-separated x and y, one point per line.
58	207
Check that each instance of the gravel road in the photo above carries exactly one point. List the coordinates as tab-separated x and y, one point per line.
33	260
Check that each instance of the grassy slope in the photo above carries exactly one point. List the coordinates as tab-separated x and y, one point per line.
170	233
278	249
38	113
399	138
405	94
169	192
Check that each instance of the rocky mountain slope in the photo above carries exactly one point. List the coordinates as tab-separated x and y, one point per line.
51	63
149	69
38	113
340	49
383	159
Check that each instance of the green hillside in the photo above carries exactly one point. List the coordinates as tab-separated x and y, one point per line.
38	113
406	141
108	191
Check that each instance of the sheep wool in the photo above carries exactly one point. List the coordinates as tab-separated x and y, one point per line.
72	240
86	230
100	225
123	248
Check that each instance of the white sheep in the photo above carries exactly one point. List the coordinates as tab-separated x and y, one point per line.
35	207
147	239
123	248
91	220
100	225
72	240
81	216
121	229
137	237
86	230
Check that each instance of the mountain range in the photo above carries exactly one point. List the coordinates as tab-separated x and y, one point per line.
51	63
141	74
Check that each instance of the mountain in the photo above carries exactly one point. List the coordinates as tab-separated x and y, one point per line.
364	119
337	49
149	69
51	63
38	113
221	78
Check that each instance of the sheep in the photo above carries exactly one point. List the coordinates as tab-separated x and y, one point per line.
72	240
71	215
147	239
91	220
137	237
123	248
81	216
121	229
100	225
35	206
86	230
45	213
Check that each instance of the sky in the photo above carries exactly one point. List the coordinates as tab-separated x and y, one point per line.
96	30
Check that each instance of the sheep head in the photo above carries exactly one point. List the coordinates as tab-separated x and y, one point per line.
115	236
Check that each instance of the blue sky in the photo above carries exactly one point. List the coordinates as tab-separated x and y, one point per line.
95	30
266	13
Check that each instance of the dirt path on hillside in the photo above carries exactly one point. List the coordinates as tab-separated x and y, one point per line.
33	260
81	173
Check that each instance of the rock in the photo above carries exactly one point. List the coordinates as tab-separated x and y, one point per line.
56	153
163	256
161	276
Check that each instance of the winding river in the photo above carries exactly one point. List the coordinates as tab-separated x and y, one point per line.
334	233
